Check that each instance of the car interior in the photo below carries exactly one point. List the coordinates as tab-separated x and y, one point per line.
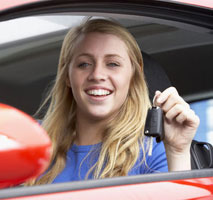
177	54
28	65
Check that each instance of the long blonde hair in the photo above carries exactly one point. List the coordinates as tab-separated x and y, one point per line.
123	135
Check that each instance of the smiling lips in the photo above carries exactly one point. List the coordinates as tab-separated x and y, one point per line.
98	92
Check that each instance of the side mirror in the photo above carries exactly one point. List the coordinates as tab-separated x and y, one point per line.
25	148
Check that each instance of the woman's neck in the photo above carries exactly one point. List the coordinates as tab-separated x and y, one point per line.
89	132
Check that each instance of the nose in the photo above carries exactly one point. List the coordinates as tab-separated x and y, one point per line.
97	73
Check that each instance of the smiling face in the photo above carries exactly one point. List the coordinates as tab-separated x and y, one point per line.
99	75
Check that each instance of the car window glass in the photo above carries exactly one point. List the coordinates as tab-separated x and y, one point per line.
204	109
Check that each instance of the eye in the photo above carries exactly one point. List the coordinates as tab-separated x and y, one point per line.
84	65
113	64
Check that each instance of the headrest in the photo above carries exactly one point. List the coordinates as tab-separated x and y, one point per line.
155	75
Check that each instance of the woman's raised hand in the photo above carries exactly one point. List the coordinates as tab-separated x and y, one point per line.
180	122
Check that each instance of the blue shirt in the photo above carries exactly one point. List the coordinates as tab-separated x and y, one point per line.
81	158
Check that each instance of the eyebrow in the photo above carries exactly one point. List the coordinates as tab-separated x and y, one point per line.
107	55
85	54
114	55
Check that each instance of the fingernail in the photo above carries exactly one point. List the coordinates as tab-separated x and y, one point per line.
159	100
157	92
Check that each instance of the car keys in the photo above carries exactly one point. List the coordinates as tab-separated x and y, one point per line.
154	124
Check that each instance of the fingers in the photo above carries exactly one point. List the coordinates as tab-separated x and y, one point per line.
175	107
168	98
161	98
178	112
181	114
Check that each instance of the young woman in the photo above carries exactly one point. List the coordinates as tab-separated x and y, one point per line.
98	110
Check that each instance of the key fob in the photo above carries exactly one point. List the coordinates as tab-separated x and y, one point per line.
154	123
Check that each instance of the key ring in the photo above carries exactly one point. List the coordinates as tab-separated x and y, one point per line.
153	101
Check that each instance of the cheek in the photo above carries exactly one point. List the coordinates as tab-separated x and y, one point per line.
72	78
74	89
76	81
123	84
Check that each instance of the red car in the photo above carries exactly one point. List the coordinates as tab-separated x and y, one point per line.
174	36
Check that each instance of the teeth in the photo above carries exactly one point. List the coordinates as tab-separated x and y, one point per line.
100	92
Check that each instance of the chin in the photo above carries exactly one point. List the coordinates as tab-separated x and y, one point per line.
101	115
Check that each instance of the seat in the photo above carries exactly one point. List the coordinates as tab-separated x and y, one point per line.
201	155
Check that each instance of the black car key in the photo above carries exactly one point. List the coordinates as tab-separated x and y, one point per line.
154	123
